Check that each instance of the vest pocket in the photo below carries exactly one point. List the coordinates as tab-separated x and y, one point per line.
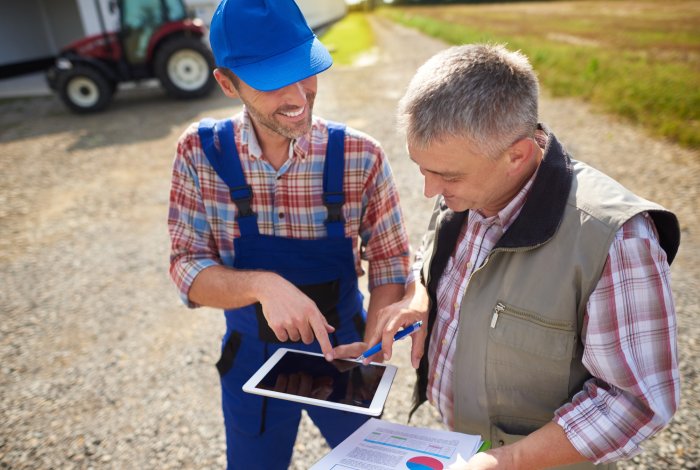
511	430
228	353
513	321
528	367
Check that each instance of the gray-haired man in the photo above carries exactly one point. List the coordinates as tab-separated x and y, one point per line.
544	283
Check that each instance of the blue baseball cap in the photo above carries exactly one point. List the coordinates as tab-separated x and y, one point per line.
266	43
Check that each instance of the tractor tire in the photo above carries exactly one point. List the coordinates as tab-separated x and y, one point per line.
184	67
84	89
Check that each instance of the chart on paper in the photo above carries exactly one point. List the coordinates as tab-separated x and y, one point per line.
443	448
424	463
382	445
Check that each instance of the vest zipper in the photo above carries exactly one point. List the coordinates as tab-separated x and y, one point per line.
501	308
497	310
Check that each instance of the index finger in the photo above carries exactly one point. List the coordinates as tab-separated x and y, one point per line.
418	346
388	336
318	324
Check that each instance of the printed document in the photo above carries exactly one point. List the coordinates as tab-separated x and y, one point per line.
381	445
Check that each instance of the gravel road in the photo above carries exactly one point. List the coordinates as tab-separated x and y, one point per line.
100	364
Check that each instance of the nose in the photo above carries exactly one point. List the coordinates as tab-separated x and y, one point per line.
431	185
295	94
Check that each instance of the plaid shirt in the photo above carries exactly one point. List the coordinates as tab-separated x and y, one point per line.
288	203
629	336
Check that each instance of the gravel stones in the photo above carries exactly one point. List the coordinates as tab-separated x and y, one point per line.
100	364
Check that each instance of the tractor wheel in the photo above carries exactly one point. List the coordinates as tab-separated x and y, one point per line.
85	90
184	67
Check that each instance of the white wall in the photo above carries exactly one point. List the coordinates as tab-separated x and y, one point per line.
316	12
322	12
23	33
36	29
62	22
91	20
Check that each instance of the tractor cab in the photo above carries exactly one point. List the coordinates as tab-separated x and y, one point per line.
141	22
155	39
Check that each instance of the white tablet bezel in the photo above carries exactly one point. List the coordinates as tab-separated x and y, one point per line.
375	408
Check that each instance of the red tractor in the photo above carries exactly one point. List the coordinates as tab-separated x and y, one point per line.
156	39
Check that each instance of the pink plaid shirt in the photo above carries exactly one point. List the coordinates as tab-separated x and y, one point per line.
288	203
629	336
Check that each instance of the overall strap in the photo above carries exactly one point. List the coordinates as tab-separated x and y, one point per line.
333	171
227	165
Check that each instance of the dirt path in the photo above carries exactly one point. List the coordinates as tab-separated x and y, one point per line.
102	367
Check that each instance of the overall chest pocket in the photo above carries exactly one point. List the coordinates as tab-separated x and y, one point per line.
528	367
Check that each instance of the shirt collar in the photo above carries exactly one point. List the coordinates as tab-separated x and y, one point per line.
297	147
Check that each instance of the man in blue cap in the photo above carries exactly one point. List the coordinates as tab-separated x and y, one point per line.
266	212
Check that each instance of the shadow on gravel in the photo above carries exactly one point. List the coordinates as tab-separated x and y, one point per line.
134	115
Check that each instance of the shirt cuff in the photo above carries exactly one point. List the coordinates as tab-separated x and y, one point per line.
591	431
186	273
388	271
414	274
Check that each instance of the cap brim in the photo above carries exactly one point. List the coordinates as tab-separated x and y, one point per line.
286	68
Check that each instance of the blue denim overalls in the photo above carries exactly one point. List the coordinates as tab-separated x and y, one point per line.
260	431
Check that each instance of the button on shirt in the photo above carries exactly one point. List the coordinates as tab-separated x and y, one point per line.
288	203
629	330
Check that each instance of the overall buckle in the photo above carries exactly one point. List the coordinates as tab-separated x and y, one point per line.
242	197
334	204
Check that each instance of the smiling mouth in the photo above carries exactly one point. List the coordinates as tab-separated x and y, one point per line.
293	114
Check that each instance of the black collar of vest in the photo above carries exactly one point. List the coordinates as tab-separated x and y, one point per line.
543	211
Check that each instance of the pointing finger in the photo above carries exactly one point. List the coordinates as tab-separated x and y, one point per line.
418	346
318	324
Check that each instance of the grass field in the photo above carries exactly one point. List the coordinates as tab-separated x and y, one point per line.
639	60
349	38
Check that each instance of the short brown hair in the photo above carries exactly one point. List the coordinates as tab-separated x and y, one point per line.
231	76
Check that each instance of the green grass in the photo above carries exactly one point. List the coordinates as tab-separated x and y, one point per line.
637	60
349	38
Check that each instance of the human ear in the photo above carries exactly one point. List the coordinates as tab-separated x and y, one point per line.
522	158
521	152
225	84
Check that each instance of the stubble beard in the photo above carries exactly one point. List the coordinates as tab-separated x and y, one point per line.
273	124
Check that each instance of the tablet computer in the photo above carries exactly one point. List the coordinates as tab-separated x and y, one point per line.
306	377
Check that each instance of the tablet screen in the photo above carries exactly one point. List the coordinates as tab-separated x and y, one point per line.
339	381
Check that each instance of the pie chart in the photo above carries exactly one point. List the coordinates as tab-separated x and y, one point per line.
424	463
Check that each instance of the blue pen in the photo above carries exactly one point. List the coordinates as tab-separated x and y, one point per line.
399	335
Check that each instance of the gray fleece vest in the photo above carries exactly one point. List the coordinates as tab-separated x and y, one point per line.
519	338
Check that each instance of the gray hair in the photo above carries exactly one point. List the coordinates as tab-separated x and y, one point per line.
483	92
